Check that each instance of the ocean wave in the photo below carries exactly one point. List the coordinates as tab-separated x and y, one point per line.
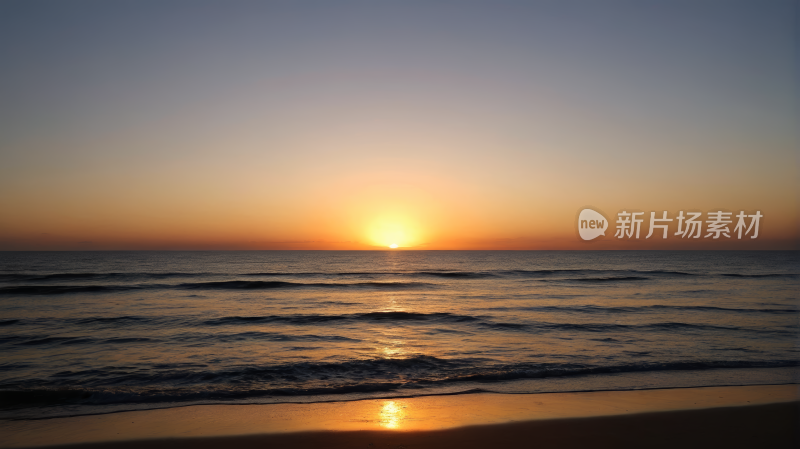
65	289
370	316
537	371
53	277
534	327
724	309
573	274
590	272
58	277
669	273
269	336
599	279
116	320
767	275
122	340
391	376
592	309
53	340
456	274
482	321
431	273
266	285
218	285
239	285
460	322
506	326
26	340
186	337
42	284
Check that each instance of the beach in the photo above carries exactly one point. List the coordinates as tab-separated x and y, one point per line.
742	416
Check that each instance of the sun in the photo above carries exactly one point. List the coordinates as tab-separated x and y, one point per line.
393	231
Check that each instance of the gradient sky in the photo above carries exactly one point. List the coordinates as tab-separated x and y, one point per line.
355	124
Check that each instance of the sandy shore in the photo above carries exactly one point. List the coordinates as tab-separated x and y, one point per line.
754	416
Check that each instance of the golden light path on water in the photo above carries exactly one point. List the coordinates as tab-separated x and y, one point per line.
392	413
393	343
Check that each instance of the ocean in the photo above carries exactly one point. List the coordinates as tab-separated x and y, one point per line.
99	332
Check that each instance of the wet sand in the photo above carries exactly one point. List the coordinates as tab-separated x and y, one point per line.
753	416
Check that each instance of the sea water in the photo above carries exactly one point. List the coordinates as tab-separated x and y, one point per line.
95	332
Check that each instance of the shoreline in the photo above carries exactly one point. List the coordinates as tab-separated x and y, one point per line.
631	381
420	421
390	398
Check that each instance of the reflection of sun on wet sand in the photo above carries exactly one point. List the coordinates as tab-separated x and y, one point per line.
763	416
392	414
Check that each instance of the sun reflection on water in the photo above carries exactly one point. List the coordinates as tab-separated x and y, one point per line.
393	349
392	415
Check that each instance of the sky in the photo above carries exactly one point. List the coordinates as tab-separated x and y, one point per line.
359	124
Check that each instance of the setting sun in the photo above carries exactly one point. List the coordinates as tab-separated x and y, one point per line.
394	230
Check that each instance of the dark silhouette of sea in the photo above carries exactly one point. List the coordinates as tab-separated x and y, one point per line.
94	332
